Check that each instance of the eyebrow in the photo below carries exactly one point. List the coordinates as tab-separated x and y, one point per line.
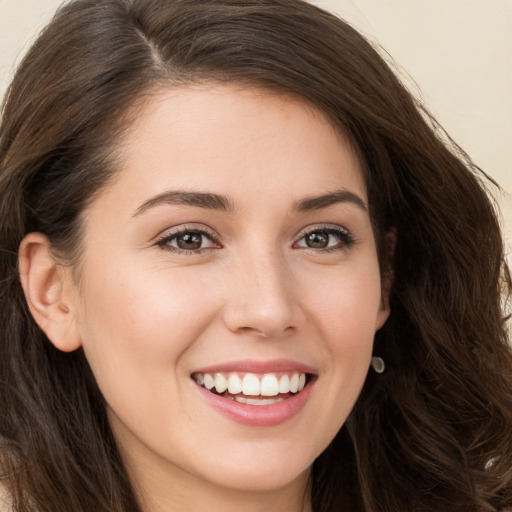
219	202
177	197
330	199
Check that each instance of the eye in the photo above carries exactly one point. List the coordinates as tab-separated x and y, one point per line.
328	238
187	240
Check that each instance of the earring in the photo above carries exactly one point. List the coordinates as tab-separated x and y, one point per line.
378	364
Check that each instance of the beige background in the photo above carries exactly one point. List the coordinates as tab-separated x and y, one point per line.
454	54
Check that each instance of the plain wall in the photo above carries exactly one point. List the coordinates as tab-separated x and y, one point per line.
454	54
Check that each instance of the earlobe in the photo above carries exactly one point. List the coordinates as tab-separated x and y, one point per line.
46	287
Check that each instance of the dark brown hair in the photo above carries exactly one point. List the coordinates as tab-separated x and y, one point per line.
433	433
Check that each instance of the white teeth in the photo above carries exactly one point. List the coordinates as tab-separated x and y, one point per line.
284	384
209	381
251	385
302	381
258	401
234	384
221	384
294	383
269	385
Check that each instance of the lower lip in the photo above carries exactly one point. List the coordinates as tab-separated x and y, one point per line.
257	415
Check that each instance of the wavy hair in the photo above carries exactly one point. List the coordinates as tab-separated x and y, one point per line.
433	433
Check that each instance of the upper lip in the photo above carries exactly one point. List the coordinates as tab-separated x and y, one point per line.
258	366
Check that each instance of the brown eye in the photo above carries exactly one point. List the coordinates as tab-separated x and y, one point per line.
326	239
317	239
189	241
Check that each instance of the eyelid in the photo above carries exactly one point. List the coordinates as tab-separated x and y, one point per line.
172	233
322	227
346	237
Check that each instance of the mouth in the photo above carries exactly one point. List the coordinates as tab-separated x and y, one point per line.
255	389
257	393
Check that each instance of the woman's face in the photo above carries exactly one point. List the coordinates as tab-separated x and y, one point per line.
233	249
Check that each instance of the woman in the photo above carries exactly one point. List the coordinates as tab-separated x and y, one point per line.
216	216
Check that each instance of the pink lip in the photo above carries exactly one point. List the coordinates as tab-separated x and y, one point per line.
257	415
252	366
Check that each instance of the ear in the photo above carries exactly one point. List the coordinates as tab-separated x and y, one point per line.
47	288
388	274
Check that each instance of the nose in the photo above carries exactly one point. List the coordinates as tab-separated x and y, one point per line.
262	298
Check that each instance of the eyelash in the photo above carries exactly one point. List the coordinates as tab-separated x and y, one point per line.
346	240
344	236
165	240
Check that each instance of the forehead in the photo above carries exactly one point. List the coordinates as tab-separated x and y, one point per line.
234	140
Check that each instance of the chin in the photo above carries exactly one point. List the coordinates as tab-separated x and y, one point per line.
267	478
260	472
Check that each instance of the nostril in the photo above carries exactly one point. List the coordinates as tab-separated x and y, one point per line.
266	332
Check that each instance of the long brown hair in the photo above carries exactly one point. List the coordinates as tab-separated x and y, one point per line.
433	433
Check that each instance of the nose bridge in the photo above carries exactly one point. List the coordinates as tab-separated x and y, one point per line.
263	301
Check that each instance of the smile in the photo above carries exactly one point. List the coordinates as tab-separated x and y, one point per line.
256	393
250	388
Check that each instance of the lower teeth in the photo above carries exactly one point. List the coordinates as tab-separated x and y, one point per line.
257	401
253	401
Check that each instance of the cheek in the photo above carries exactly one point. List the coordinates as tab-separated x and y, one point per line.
347	305
345	311
137	321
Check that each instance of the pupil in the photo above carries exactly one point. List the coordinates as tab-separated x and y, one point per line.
317	240
189	241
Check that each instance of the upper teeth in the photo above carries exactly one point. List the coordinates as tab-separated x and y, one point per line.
252	384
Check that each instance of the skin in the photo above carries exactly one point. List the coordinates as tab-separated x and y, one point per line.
148	316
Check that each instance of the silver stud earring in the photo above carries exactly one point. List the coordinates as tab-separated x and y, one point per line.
378	364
